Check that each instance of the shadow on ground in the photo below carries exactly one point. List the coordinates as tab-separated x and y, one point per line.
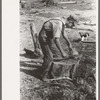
35	73
30	54
31	69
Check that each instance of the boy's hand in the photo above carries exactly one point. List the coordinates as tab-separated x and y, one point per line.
73	52
70	51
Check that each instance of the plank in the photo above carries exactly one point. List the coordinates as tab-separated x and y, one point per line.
68	2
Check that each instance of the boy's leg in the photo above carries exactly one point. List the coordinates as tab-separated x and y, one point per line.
48	56
47	60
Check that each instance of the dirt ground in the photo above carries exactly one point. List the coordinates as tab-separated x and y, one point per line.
32	88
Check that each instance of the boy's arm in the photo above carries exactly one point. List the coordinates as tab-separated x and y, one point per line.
67	40
57	42
57	34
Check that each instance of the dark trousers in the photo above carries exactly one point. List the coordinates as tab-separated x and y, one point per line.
49	50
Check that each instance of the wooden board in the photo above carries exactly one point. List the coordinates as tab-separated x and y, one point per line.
68	2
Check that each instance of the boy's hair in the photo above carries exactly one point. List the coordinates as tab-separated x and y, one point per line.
71	18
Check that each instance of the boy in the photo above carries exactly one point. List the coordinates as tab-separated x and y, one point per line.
50	35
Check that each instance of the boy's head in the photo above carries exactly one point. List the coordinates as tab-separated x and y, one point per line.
70	23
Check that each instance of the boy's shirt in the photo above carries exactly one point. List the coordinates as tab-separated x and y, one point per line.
54	27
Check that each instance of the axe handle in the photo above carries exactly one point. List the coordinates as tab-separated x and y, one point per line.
60	59
34	37
32	34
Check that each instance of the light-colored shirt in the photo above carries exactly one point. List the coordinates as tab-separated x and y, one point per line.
56	26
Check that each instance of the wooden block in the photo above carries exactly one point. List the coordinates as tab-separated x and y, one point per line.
61	69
